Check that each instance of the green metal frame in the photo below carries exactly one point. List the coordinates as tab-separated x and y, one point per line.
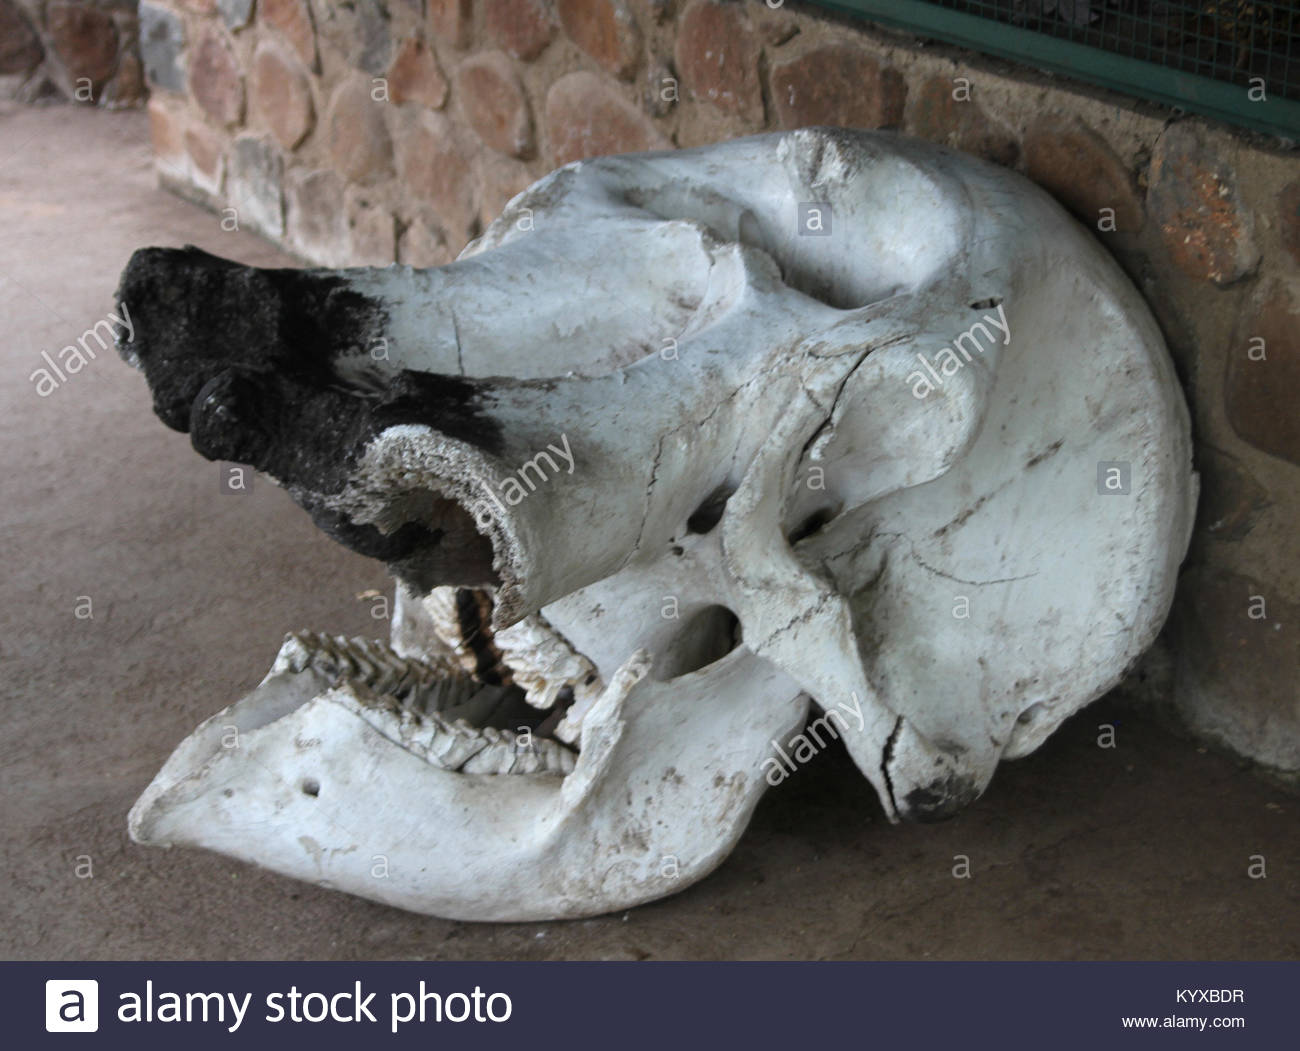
1230	103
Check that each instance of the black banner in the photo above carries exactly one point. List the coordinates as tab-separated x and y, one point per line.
652	1005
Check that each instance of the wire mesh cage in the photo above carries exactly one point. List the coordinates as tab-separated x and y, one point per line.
1237	41
1237	60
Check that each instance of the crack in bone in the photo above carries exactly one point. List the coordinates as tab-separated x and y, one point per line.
887	757
961	580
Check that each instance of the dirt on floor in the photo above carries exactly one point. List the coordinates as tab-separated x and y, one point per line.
140	598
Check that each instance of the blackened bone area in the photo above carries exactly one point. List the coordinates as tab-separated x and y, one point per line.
243	360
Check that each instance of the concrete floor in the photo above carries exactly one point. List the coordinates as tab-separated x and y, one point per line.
1078	852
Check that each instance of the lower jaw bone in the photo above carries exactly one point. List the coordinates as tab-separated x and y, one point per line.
311	780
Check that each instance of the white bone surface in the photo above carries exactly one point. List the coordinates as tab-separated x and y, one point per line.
791	365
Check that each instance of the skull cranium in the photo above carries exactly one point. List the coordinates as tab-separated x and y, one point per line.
654	469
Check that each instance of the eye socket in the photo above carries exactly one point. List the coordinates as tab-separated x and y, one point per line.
708	636
705	517
814	523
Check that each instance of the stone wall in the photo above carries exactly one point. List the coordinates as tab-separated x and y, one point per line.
366	132
85	52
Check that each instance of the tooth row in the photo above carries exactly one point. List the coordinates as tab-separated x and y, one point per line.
426	685
440	605
456	746
543	663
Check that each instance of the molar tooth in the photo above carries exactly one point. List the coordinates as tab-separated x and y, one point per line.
453	748
545	757
438	695
496	758
522	760
546	696
526	762
362	666
564	761
295	654
416	734
505	756
421	737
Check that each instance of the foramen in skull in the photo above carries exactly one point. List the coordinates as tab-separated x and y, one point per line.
538	737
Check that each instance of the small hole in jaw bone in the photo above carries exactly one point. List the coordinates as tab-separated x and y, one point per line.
1029	714
709	513
310	787
986	304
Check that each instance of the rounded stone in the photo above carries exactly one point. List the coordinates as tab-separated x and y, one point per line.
494	103
586	117
1193	195
127	88
500	181
415	76
437	170
605	30
359	142
20	47
216	81
235	13
358	31
206	151
372	231
314	215
165	131
450	20
837	84
162	47
1263	378
522	28
717	56
942	111
282	94
293	19
255	184
1078	167
86	40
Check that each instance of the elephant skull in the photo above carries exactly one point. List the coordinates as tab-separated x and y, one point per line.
693	461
